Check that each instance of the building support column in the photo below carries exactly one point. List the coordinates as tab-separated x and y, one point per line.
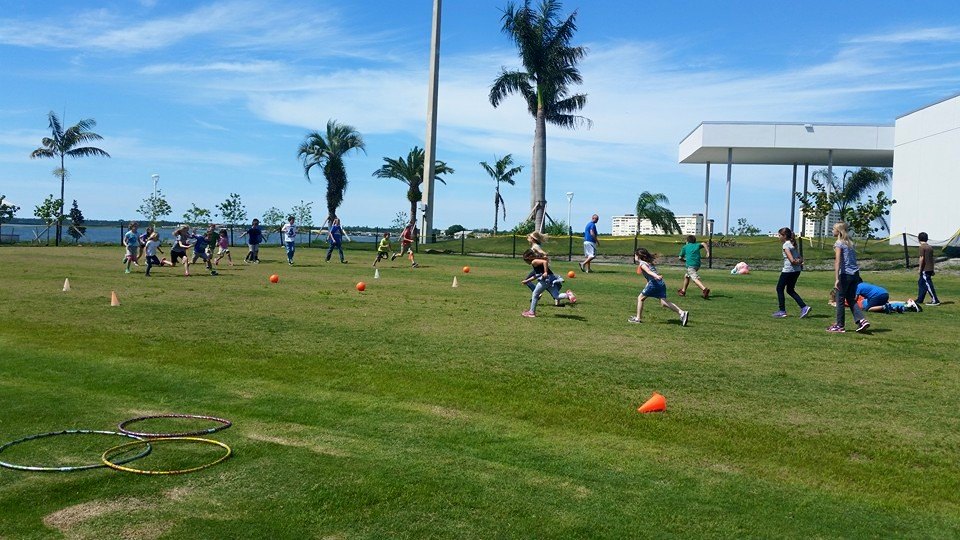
729	173
793	199
706	203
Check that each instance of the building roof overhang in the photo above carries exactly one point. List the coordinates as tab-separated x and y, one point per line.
786	143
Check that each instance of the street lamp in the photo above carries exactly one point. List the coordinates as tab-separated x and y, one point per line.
153	212
569	206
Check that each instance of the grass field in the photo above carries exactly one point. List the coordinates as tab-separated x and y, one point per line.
415	409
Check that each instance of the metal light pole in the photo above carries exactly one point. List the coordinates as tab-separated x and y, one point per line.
153	210
430	146
569	226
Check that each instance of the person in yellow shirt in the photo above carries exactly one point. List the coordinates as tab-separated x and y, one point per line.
383	249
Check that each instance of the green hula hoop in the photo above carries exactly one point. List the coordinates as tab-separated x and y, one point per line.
119	465
139	440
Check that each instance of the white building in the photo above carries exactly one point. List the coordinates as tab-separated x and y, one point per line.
813	229
626	225
926	171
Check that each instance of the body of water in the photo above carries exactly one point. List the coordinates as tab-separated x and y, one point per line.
114	235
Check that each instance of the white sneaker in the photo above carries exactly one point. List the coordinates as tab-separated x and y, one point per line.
684	317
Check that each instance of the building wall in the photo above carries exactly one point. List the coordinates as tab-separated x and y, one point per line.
812	228
926	171
626	225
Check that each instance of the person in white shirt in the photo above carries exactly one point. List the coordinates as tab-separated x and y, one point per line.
289	231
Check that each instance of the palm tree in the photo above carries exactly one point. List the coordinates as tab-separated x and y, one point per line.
853	185
327	151
501	172
410	172
549	66
649	207
61	144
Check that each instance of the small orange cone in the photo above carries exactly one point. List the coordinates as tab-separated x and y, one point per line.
114	301
455	282
656	403
66	285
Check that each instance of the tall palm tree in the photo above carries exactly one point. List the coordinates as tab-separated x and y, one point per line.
410	172
327	151
501	172
649	206
62	144
549	67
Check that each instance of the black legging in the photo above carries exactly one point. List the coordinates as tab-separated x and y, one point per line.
788	280
847	292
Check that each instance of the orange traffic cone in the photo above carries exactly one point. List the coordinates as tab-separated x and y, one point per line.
455	282
656	403
114	301
66	285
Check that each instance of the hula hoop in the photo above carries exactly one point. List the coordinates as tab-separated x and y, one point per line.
118	465
14	466
223	421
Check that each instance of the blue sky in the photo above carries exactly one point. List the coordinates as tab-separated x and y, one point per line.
216	96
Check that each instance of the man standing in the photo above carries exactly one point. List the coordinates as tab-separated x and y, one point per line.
590	242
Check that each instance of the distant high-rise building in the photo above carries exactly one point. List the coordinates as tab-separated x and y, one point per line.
814	229
626	225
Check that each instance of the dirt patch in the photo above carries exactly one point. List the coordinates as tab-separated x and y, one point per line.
178	493
145	531
67	518
299	443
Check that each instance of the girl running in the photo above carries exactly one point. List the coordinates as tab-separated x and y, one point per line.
181	243
223	245
792	265
151	248
655	287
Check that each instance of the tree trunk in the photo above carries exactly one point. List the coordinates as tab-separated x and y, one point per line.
496	209
540	166
63	180
413	213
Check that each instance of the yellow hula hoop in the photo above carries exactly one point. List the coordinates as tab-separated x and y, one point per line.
106	455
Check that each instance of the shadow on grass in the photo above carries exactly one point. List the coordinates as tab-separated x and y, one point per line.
571	316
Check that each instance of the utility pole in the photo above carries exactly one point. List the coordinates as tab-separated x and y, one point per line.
430	147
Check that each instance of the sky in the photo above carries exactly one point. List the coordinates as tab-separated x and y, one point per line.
216	96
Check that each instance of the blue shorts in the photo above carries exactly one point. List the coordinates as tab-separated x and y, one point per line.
655	289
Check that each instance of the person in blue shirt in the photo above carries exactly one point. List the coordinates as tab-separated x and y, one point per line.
590	241
200	244
875	298
335	237
254	239
131	241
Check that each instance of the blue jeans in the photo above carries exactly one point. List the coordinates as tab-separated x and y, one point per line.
291	249
335	244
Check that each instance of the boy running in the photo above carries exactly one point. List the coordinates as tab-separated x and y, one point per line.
690	255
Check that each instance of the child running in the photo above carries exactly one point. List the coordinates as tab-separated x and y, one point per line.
655	287
792	265
289	231
200	251
383	249
142	239
690	255
181	243
545	280
847	274
151	248
132	243
407	236
254	237
223	245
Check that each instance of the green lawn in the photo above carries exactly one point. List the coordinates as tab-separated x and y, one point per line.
415	409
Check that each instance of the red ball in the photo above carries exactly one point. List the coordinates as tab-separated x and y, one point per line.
571	274
361	286
466	269
274	278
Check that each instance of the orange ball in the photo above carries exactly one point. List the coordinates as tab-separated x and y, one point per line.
274	278
571	274
361	286
466	269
